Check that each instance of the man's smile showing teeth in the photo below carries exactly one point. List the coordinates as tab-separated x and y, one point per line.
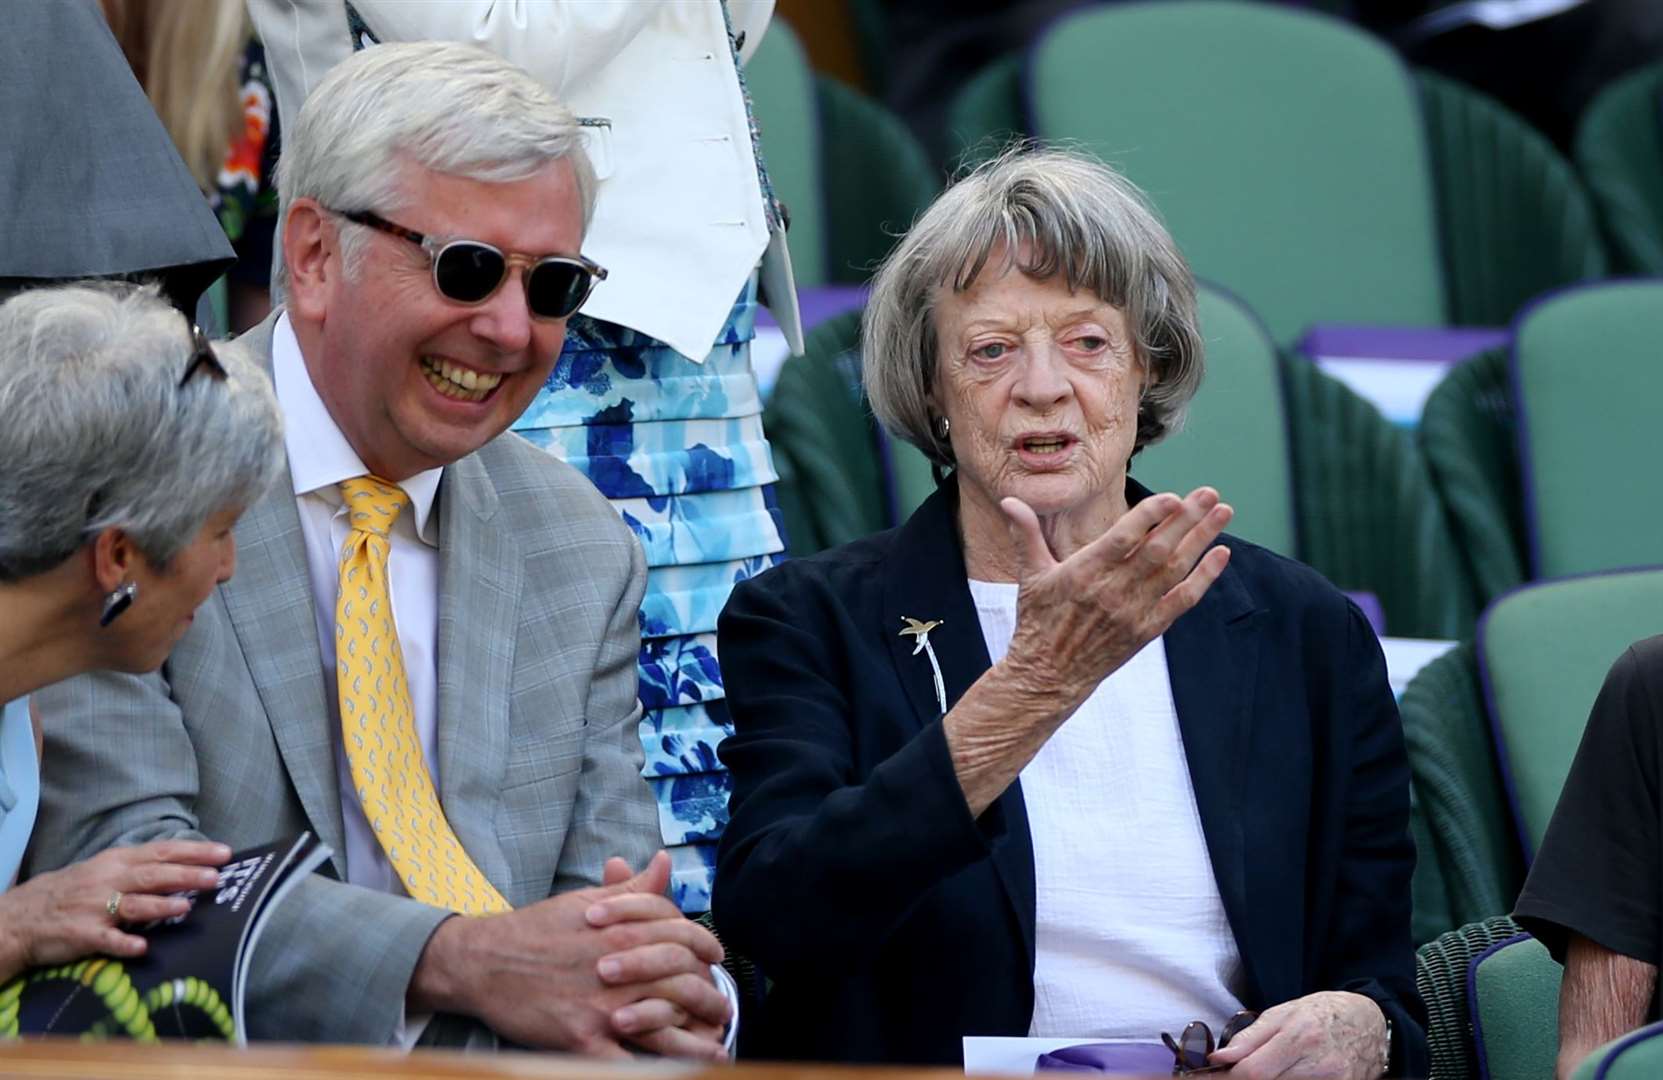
457	382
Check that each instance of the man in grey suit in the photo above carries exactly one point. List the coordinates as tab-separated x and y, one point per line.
435	203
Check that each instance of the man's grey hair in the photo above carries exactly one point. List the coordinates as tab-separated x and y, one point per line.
96	432
456	109
1051	213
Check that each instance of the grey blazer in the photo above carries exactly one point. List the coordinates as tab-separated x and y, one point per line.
539	757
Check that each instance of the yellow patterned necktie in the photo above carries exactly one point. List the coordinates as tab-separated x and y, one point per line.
378	724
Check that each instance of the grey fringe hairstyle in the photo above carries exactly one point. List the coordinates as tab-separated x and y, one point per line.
1062	213
96	432
456	109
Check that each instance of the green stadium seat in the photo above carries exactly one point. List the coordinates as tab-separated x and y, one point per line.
1442	969
1369	518
1636	1056
1619	148
1468	434
880	180
1508	216
783	100
1515	1009
1514	219
830	489
1468	866
1492	999
1236	437
986	114
841	477
850	174
1544	651
1286	151
1588	379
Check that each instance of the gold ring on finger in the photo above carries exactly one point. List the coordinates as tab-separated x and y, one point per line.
113	904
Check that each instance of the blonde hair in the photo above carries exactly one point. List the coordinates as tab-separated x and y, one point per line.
185	54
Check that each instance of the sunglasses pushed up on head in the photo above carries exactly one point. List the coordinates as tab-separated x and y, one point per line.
471	271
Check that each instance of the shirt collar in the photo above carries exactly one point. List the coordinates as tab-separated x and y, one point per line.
320	457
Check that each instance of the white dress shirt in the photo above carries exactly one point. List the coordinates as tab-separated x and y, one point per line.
1130	934
319	459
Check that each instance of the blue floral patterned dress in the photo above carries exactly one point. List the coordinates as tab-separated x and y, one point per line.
678	448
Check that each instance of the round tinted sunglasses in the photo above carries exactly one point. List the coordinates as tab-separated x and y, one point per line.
471	271
1192	1048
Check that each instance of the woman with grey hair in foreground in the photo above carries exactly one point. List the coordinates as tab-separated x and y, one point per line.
1058	757
130	447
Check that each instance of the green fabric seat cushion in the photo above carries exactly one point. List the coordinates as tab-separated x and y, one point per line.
1468	435
831	487
785	105
1589	377
1513	994
1467	863
1236	435
1369	519
1514	218
880	180
1544	652
986	114
1302	184
1619	147
1636	1056
1441	968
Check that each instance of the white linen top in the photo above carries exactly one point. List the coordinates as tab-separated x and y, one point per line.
1130	934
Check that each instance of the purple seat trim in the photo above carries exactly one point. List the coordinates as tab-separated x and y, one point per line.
1441	344
1369	604
819	304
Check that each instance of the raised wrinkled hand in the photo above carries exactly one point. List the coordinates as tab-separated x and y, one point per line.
1079	619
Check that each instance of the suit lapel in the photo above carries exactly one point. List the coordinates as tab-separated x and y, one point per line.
926	580
1212	656
269	602
480	570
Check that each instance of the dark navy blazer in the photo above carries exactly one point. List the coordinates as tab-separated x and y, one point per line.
892	923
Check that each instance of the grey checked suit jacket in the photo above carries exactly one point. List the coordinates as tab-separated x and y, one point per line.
539	757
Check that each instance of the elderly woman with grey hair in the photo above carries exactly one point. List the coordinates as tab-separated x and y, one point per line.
1057	757
130	447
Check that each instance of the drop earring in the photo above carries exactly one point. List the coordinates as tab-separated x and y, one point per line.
118	601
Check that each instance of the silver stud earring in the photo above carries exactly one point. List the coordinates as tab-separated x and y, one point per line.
118	601
944	427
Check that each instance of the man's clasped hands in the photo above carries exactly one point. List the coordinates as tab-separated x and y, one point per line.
599	971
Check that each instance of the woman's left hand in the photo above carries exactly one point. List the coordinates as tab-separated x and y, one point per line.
1332	1033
